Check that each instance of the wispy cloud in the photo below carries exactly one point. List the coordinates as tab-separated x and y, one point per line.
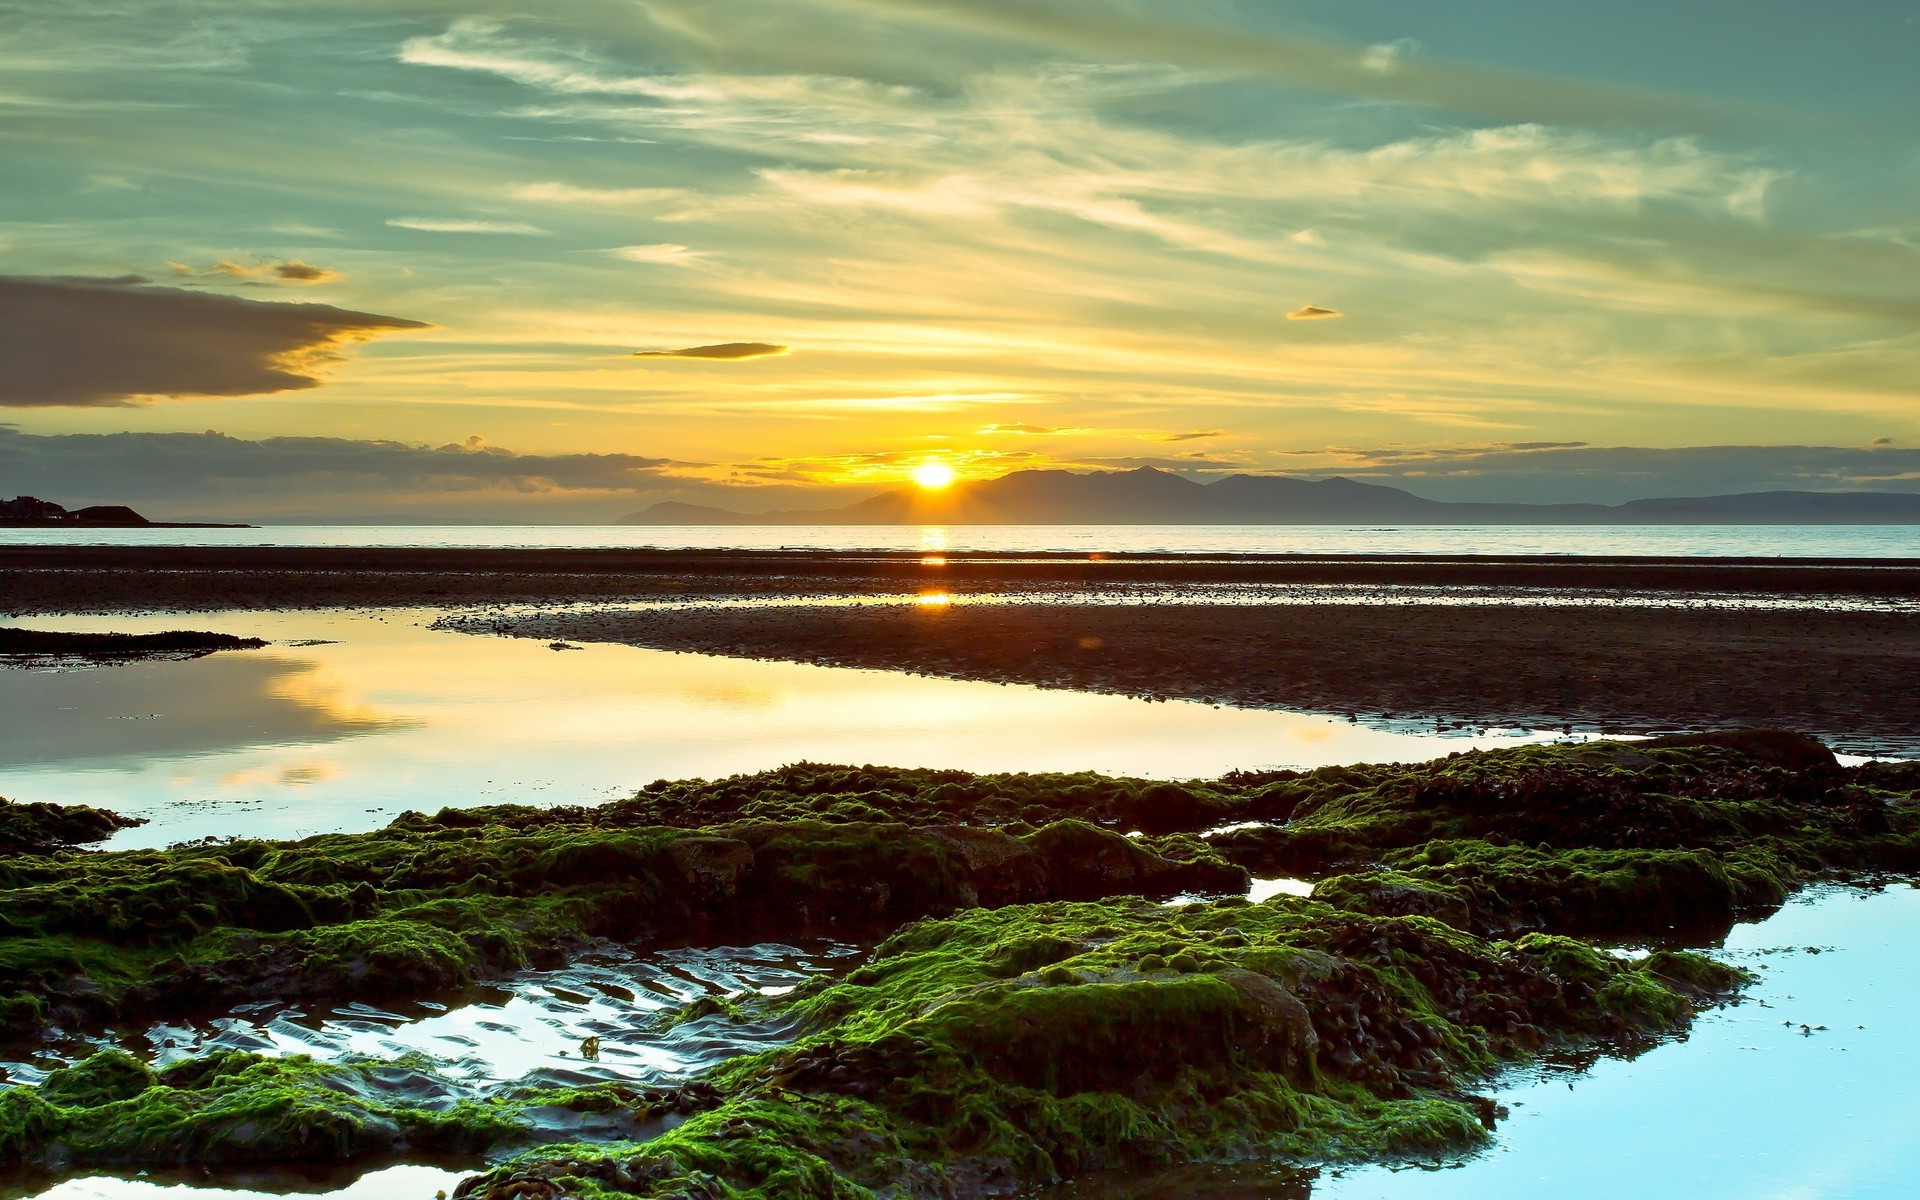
671	254
567	194
1101	27
285	270
463	225
722	352
1027	430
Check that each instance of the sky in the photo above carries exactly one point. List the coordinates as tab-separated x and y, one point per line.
484	260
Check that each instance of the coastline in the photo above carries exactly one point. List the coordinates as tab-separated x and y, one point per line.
1839	675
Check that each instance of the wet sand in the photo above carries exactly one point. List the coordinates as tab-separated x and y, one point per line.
1846	677
1704	657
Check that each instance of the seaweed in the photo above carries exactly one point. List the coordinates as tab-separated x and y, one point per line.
1032	1012
996	1049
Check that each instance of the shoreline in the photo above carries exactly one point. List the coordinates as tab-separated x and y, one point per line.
1841	676
101	579
1710	659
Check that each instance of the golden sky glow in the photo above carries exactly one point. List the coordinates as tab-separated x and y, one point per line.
783	252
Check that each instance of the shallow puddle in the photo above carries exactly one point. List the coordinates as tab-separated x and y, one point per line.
349	719
403	1181
531	1028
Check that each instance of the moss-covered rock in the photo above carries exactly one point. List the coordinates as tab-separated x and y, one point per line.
993	1050
412	911
40	828
1031	1016
233	1107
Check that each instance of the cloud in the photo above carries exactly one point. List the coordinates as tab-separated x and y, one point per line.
562	193
724	351
100	342
1538	472
1313	312
290	270
1376	72
1022	427
1199	463
303	272
1191	435
317	477
882	468
458	225
671	254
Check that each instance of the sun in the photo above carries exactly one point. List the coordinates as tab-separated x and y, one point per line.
933	475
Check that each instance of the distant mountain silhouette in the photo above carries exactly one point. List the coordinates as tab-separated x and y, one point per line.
1149	496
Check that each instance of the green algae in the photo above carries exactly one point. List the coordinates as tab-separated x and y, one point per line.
235	1107
40	828
1300	1031
1023	1022
412	911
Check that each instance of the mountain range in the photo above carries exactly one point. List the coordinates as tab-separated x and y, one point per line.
1149	496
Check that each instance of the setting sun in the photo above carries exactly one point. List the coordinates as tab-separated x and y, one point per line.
933	475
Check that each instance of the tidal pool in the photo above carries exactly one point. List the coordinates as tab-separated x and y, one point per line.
351	718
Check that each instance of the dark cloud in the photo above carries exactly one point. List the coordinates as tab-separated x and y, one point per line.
1313	312
104	342
1191	435
302	272
724	351
289	270
1538	472
1208	464
313	478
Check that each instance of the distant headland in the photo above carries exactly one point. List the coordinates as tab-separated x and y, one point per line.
30	512
1149	496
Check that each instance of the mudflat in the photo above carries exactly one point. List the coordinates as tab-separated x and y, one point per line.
1843	675
1829	647
52	579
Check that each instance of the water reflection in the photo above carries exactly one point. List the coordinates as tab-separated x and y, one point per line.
409	1181
388	715
106	716
529	1027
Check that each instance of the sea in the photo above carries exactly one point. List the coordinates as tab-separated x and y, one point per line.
1686	541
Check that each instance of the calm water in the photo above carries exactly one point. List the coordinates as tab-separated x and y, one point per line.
1793	541
388	715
